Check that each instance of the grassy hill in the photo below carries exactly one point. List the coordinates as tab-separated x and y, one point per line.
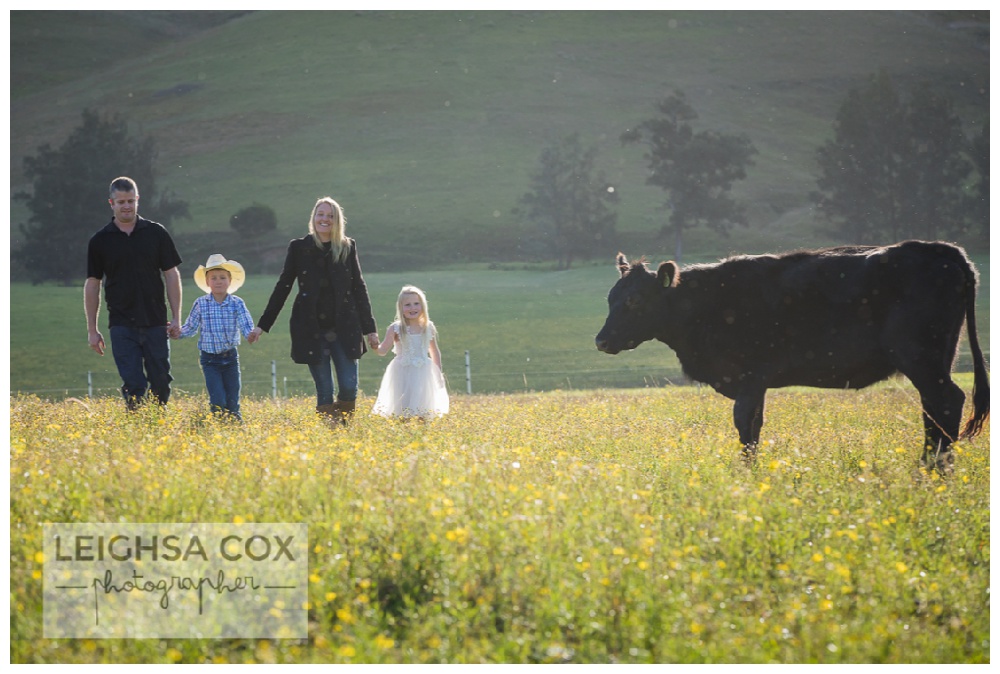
426	125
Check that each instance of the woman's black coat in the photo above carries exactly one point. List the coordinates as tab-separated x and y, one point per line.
353	309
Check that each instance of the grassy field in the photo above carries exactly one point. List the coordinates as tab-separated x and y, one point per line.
537	522
561	527
525	331
427	125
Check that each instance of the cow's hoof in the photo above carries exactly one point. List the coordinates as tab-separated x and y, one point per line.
943	463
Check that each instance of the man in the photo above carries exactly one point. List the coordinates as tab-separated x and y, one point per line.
136	259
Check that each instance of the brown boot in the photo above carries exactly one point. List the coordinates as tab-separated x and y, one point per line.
345	408
328	412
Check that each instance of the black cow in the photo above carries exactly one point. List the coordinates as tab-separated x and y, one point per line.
833	318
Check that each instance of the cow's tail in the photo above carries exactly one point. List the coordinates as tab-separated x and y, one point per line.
981	381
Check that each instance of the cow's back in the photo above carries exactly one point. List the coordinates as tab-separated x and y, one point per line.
839	317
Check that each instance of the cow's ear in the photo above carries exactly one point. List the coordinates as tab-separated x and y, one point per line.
668	274
622	262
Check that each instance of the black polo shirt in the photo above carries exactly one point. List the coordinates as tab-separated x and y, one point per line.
132	266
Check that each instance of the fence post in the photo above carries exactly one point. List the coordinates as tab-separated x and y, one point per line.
468	374
284	383
274	380
90	385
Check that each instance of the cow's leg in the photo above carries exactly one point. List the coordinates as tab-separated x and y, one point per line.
923	350
748	415
942	401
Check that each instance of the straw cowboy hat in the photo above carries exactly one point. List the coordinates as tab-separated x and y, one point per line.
217	261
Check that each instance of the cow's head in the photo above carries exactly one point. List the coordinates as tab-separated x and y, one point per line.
635	305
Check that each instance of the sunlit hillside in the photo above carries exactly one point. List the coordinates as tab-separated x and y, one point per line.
427	125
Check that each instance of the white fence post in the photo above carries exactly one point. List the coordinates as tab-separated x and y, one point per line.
468	374
274	380
90	385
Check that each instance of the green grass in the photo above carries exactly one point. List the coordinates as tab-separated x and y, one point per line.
426	125
598	527
526	330
39	61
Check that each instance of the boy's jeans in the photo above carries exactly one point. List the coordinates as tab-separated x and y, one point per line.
142	354
347	374
222	379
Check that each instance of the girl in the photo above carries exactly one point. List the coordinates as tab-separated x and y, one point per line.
413	384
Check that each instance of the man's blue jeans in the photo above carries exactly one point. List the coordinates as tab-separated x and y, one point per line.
222	379
347	374
143	357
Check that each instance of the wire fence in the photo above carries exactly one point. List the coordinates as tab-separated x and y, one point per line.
286	380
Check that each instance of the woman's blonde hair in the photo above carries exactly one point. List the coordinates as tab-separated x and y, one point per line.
424	320
340	245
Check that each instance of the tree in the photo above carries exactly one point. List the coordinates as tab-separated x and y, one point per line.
568	202
69	197
860	166
934	167
696	170
254	220
895	168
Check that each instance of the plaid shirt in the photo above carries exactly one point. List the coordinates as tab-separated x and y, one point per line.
221	324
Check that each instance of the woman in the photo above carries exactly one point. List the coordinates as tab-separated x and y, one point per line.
332	314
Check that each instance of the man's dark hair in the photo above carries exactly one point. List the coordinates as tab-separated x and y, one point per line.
123	184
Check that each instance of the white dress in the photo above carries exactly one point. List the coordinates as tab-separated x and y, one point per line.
413	385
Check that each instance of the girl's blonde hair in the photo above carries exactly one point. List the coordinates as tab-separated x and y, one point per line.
340	245
424	320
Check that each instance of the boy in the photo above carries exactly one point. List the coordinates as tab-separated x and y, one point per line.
222	317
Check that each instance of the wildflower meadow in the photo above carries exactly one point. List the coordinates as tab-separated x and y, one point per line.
563	527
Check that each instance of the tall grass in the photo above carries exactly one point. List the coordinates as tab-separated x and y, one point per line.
562	527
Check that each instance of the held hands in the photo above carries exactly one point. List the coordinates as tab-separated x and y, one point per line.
174	330
382	348
254	335
373	340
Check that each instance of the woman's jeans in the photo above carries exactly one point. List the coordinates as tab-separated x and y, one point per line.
222	379
347	374
143	357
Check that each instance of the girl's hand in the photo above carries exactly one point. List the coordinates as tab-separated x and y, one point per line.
383	348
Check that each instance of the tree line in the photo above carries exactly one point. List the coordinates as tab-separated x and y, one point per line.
897	166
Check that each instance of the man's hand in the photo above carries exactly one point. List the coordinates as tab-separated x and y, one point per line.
97	342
